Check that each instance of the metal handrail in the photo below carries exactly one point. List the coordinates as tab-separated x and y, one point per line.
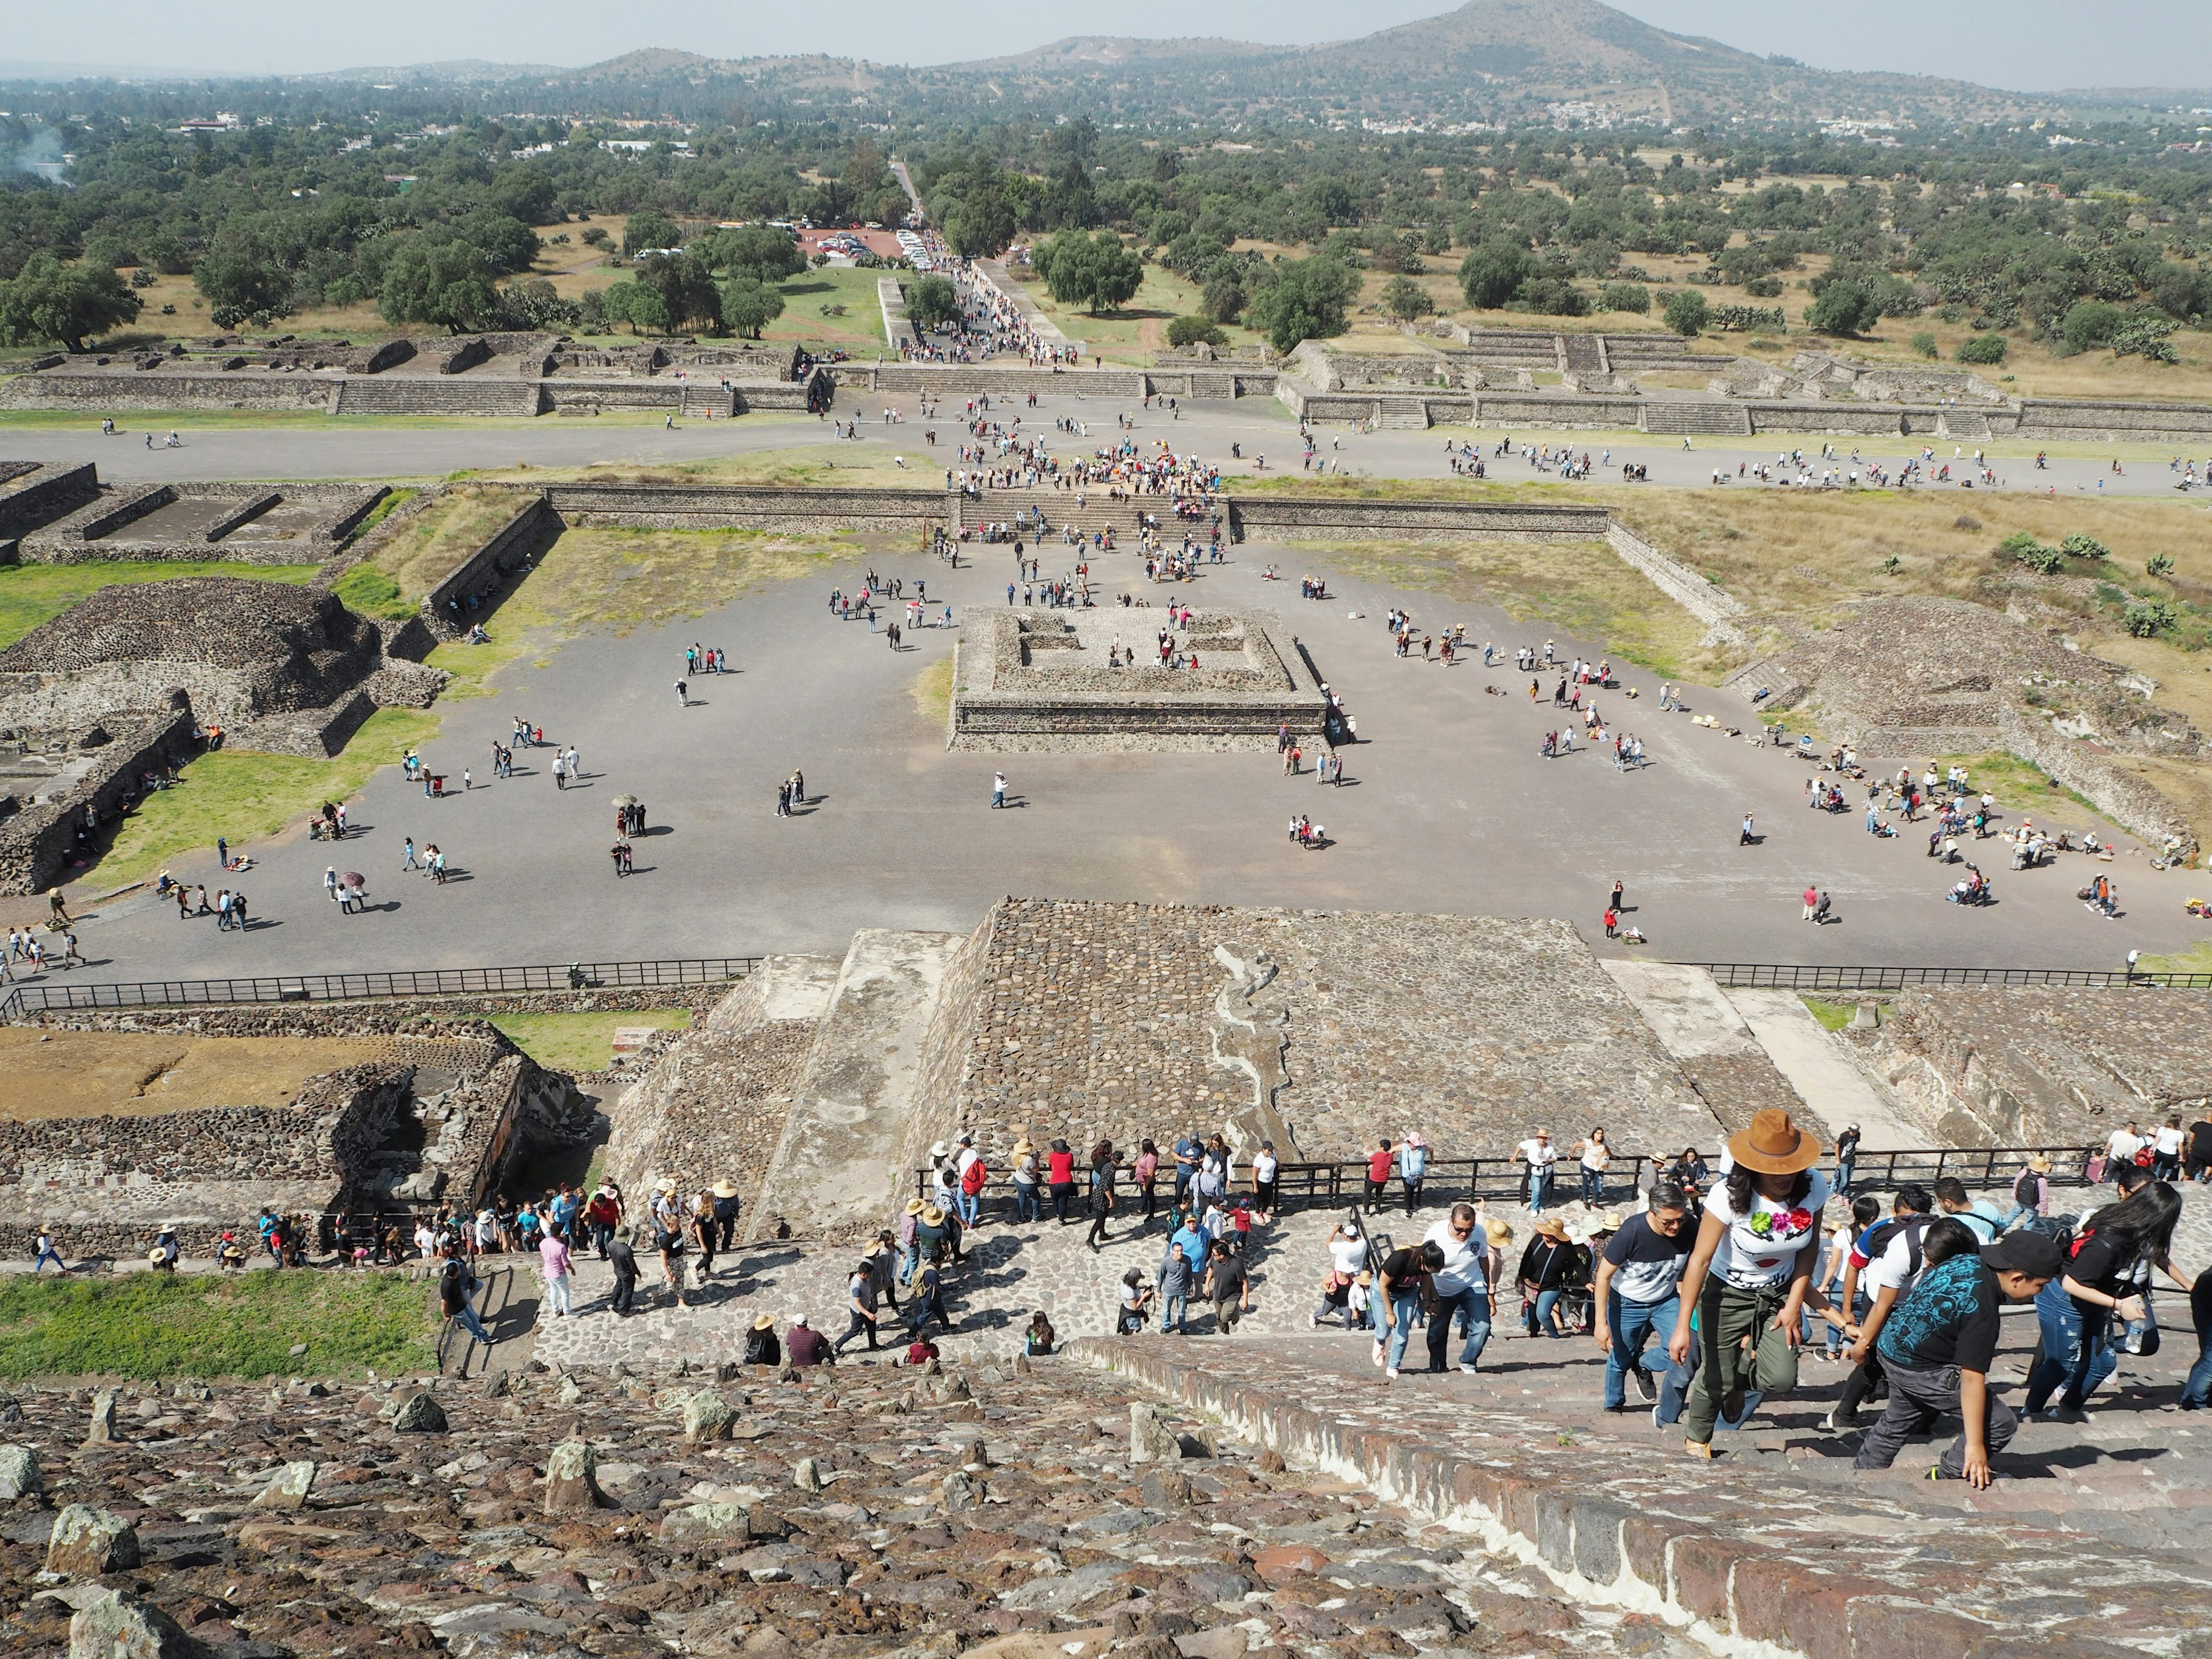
1807	976
1450	1180
27	999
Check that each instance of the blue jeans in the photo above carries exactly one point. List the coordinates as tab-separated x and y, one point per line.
971	1206
2076	1351
1025	1202
1543	1316
1403	1311
1472	1305
2197	1392
1174	1305
1641	1332
1539	1189
1592	1185
1845	1168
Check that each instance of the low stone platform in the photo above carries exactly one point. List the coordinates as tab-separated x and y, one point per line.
1027	679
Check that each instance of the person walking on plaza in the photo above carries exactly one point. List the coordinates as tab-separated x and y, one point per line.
1847	1157
1638	1292
859	1307
1938	1346
1228	1286
1750	1273
554	1252
624	1259
997	789
44	1251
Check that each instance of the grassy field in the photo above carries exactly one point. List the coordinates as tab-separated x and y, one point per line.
2197	959
157	1328
580	1042
1133	334
833	306
1579	586
246	797
33	593
1833	1015
826	464
932	693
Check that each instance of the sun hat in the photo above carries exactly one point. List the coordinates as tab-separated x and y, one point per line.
1413	1138
763	1322
1497	1232
664	1184
940	1150
1549	1223
2039	1164
916	1207
932	1216
1774	1145
725	1187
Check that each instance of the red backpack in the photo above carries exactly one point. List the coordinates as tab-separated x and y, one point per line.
973	1177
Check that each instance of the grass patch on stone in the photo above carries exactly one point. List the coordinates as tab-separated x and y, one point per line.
932	693
151	1326
34	593
580	1042
432	544
1580	589
871	463
601	579
2018	784
2197	959
245	796
1833	1015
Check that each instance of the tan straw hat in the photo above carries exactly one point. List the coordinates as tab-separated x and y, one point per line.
1774	1145
916	1207
1498	1232
932	1216
763	1321
725	1187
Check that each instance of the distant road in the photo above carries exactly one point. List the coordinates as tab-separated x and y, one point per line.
906	184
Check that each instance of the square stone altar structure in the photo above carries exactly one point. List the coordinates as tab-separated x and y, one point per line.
1031	680
1081	1020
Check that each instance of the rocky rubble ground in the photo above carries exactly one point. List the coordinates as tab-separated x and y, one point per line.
1023	1513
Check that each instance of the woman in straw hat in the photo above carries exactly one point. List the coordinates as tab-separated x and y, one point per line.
1751	1272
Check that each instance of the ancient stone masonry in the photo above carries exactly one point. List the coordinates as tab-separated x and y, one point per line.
1085	1021
2027	1066
251	523
446	609
31	496
1917	676
1027	679
281	668
60	784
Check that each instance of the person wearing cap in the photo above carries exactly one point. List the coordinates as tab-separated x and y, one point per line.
1638	1292
1537	1156
1750	1273
1189	1151
727	1207
601	1215
761	1346
805	1345
1938	1346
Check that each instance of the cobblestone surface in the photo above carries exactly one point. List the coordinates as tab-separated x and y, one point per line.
864	1512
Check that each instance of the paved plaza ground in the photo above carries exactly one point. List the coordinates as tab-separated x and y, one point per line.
1447	807
380	449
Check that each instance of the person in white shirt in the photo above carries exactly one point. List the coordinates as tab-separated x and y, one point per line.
2121	1150
1537	1156
1462	1287
2165	1151
1596	1154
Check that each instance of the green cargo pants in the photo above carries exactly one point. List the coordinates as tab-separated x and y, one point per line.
1726	1315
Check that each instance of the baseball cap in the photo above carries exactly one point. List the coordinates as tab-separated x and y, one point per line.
2024	1253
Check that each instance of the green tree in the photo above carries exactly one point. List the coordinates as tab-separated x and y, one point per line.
635	303
1923	344
1406	299
749	305
1625	296
1223	297
447	284
1095	271
524	193
534	303
2090	324
650	229
687	292
981	225
240	286
763	253
1492	274
1686	312
1981	348
1842	308
933	301
1303	299
50	301
1191	330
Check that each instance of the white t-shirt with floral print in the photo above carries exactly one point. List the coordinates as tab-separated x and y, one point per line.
1759	1249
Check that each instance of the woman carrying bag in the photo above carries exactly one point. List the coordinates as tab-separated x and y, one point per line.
1750	1273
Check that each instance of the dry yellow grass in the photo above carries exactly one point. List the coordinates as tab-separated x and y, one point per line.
434	543
596	579
841	466
50	1074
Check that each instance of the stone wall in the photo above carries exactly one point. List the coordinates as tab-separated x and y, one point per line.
1288	518
38	841
2042	417
2046	1066
33	499
97	392
103	531
708	507
1083	1020
1720	611
446	609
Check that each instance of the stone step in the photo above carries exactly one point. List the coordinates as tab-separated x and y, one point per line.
1684	418
831	1174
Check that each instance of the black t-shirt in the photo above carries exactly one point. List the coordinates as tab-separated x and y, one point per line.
1229	1277
1949	1318
1401	1271
2099	1264
1647	1263
2200	1141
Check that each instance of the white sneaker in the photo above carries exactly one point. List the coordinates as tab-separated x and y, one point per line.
1392	1373
1378	1353
1313	1321
1469	1369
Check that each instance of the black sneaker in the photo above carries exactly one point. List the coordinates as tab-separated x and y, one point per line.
1645	1385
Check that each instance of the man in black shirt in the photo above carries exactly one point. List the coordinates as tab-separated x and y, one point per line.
1936	1349
1230	1286
624	1259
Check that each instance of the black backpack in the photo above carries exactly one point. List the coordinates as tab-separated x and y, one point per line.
2024	1188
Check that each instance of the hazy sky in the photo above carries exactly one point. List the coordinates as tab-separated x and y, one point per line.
2026	44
